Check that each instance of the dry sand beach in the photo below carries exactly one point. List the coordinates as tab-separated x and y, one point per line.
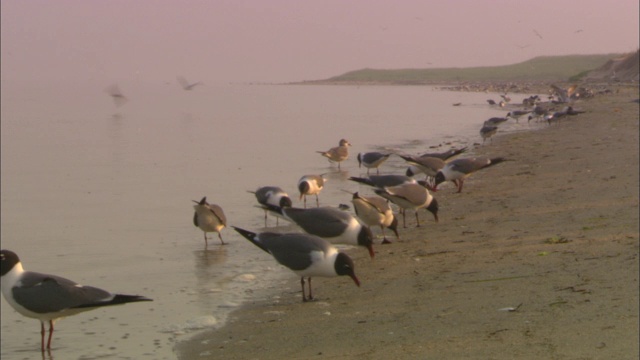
551	235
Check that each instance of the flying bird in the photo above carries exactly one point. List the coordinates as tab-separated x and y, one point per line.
49	298
537	34
186	85
116	95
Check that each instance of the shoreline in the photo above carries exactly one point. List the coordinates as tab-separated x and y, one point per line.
553	235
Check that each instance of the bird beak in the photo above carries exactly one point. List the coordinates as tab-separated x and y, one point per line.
197	202
355	279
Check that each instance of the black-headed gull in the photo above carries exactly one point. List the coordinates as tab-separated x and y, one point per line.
306	255
49	297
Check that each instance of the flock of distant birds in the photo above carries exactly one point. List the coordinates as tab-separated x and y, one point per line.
534	108
311	253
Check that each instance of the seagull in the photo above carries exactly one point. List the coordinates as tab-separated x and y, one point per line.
410	196
516	114
332	224
491	102
185	84
49	297
375	211
495	121
487	131
413	170
310	185
506	98
537	34
427	164
537	112
338	153
118	98
564	95
380	181
306	255
372	160
556	116
271	195
209	218
459	169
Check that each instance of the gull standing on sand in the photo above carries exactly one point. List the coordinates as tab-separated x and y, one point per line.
487	131
426	164
375	211
209	218
306	255
310	185
372	160
338	153
410	196
516	114
460	169
413	170
49	298
332	224
272	195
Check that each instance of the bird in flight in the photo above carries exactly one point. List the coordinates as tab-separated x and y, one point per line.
118	98
185	84
537	34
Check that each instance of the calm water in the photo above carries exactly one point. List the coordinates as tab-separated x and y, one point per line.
102	195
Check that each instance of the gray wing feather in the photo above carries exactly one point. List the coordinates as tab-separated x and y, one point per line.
294	250
43	293
323	222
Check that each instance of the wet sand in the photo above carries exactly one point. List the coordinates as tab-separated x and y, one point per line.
551	235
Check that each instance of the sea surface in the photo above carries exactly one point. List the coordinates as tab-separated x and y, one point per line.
103	194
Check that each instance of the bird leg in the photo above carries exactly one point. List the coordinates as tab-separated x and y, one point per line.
42	334
221	241
384	237
459	184
417	219
304	296
404	223
318	201
50	333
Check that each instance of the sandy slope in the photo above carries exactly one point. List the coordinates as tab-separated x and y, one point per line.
553	233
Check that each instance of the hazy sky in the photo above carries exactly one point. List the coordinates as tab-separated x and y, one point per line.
291	40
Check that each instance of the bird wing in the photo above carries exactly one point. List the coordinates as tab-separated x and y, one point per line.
323	222
42	293
217	211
